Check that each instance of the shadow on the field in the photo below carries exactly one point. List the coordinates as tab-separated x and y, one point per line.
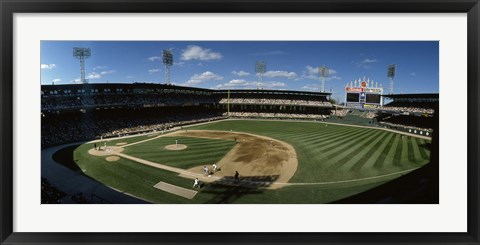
227	190
65	157
427	146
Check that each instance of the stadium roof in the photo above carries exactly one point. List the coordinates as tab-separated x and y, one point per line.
271	91
412	96
166	86
118	85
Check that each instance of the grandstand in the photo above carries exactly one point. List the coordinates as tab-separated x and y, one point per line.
274	104
88	111
414	113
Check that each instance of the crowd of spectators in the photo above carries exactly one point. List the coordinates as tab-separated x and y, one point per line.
409	109
369	114
417	107
73	127
340	113
401	126
59	102
409	122
275	115
258	101
50	194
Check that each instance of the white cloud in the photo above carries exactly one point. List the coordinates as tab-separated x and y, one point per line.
153	58
366	63
193	52
93	75
200	78
151	71
244	84
313	73
130	77
96	75
289	75
107	72
47	66
310	70
413	74
56	80
240	73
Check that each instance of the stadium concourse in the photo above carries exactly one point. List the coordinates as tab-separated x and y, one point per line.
84	112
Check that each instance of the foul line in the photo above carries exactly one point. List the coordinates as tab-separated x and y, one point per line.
348	181
200	176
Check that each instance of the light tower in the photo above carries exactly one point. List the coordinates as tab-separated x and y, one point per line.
391	75
82	54
167	56
260	69
324	72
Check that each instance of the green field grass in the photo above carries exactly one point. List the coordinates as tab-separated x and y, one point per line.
334	162
337	153
154	150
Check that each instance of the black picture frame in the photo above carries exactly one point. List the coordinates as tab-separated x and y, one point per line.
10	7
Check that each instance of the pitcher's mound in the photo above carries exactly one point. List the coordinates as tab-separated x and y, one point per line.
176	147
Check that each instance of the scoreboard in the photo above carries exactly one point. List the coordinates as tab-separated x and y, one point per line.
363	93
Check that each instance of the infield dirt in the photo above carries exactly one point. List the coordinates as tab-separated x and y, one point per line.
252	156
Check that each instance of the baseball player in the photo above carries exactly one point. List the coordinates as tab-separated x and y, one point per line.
214	167
196	183
236	177
205	169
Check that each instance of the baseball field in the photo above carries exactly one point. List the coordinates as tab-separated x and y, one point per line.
277	161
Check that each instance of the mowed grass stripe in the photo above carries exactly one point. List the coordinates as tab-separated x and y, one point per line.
421	147
382	152
348	152
320	141
310	135
410	153
333	143
356	163
398	153
404	155
320	134
344	144
344	153
416	150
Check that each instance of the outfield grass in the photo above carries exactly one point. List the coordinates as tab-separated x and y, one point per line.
335	152
340	155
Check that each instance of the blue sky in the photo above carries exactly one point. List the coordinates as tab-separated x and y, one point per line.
231	64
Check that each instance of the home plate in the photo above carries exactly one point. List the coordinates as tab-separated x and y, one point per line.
177	190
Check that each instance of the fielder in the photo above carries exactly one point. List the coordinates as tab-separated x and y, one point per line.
214	167
205	169
196	183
